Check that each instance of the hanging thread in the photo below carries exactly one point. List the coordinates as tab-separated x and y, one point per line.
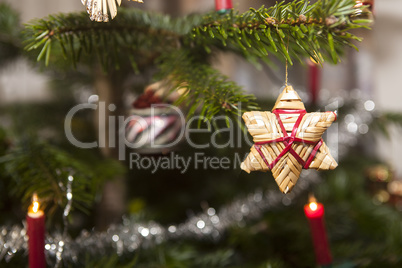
286	65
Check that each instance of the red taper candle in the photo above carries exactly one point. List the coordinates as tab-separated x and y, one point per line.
314	81
315	214
223	5
36	235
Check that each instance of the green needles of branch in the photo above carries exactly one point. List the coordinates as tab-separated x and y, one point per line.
291	31
133	33
205	88
319	31
44	169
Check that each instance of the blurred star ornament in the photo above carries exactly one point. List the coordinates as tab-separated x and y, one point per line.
288	140
98	9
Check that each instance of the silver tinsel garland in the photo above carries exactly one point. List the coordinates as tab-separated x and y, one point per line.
210	224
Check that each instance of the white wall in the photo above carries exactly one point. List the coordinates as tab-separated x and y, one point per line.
30	9
387	80
19	81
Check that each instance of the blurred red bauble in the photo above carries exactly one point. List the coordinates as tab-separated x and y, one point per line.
146	100
155	124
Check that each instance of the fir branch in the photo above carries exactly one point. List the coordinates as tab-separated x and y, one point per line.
311	30
44	169
319	31
205	88
133	32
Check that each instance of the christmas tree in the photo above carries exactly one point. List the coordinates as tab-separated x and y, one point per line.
136	160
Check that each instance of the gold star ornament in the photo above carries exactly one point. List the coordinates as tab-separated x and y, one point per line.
287	140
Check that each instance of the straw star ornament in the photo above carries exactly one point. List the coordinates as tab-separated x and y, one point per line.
287	140
98	9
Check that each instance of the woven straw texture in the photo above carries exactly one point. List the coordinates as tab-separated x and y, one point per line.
286	154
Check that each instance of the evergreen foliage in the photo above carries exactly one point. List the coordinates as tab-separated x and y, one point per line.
211	92
288	31
44	169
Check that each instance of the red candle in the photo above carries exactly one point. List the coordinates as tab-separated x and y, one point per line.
315	214
223	5
313	81
36	235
